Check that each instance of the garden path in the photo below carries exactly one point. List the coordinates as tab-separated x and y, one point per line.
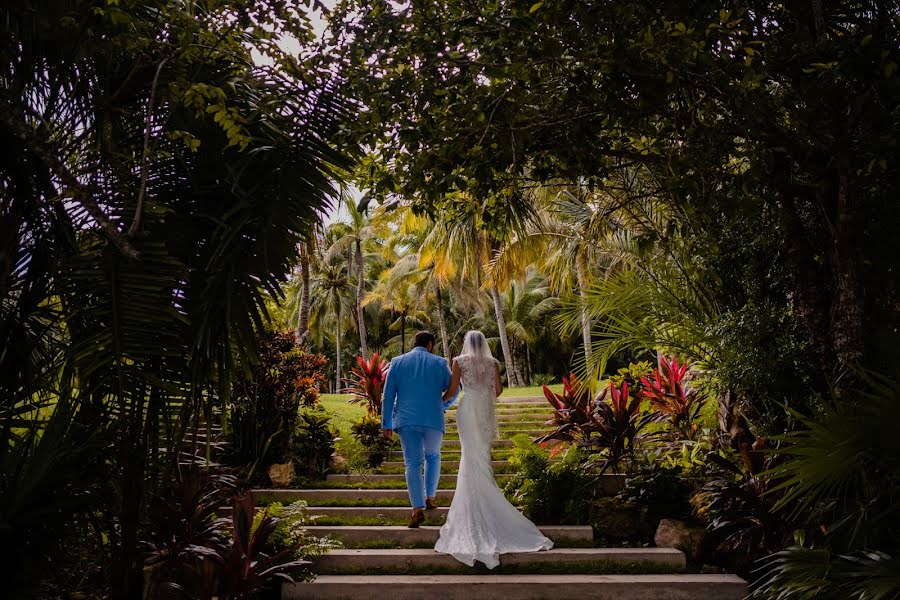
383	557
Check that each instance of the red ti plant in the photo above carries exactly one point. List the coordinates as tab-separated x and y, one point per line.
245	568
571	411
610	427
367	383
617	425
670	400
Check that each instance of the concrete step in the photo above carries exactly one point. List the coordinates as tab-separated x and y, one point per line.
512	409
505	434
402	535
380	478
342	497
395	561
529	430
452	454
446	465
454	443
523	400
520	587
505	418
395	515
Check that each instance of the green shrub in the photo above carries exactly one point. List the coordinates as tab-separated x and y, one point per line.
664	491
368	432
266	400
632	375
292	532
543	379
313	444
551	491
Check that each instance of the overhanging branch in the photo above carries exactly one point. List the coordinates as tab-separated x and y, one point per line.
79	192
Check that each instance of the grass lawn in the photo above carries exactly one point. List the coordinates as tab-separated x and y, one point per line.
535	390
342	413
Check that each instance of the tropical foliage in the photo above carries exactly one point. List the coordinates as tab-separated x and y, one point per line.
155	185
266	399
367	384
596	186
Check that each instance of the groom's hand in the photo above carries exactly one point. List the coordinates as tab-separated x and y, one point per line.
387	433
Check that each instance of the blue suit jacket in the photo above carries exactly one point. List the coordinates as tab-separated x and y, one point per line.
412	393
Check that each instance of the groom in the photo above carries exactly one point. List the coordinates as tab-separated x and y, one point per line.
412	406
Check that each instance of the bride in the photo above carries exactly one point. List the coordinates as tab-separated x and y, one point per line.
481	524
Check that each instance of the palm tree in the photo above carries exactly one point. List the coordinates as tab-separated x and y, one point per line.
572	240
307	255
352	237
333	288
432	273
523	303
468	243
401	295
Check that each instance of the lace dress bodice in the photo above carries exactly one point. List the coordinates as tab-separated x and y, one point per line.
478	408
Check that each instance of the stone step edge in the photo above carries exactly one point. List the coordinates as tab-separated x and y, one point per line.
395	558
394	464
521	587
352	534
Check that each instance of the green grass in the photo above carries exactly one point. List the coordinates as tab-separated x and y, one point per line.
534	390
342	413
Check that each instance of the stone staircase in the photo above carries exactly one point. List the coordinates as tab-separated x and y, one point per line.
383	557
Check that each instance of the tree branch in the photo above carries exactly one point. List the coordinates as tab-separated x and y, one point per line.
138	210
74	188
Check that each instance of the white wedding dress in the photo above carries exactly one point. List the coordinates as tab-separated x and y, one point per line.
481	524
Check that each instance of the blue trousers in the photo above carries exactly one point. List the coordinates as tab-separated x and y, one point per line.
421	444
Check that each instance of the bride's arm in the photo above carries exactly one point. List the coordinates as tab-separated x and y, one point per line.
455	375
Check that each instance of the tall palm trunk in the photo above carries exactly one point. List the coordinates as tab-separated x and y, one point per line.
403	332
337	343
504	339
585	319
360	290
528	370
445	344
305	300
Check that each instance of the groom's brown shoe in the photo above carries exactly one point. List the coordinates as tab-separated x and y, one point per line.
416	518
430	504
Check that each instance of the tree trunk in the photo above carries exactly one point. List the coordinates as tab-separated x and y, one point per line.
585	319
445	344
305	300
403	332
360	290
529	372
504	339
337	343
810	296
847	331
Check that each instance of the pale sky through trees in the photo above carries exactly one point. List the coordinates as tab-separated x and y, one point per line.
291	45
